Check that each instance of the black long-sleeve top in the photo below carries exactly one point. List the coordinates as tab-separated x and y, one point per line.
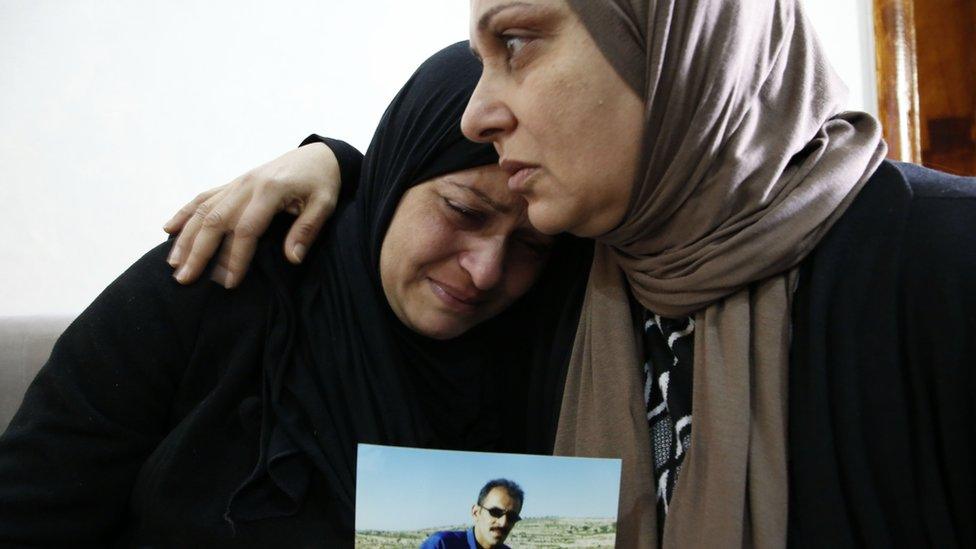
143	421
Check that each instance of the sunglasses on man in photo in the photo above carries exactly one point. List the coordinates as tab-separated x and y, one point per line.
498	513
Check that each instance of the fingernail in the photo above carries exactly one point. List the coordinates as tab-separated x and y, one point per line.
218	274
222	276
181	275
299	251
174	256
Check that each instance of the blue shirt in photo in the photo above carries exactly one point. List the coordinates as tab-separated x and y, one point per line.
453	540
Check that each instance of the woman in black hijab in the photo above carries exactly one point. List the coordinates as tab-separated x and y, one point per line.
170	416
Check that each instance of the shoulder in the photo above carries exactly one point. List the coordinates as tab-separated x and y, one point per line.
904	184
147	296
909	240
939	248
143	303
445	540
939	236
941	225
144	317
906	209
927	183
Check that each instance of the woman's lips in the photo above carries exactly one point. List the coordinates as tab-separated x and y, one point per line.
453	299
519	174
518	182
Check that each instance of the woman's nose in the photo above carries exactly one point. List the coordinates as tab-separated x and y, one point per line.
486	117
484	263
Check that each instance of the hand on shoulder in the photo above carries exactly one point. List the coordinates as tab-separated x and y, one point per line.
304	182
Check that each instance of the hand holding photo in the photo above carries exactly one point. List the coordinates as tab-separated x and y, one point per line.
440	499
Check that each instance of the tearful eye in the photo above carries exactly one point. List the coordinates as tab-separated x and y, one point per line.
514	44
463	212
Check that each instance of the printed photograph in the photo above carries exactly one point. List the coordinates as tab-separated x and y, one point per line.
439	499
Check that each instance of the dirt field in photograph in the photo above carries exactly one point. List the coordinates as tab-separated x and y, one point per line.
531	533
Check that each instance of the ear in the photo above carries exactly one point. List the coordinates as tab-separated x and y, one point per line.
474	511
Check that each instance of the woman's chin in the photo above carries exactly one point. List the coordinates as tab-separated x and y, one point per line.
546	217
441	328
442	335
567	216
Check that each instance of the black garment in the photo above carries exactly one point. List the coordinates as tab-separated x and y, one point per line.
339	367
170	416
882	434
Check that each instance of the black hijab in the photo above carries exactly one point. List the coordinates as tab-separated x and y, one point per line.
341	369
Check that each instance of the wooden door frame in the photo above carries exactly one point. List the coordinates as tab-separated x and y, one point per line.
897	74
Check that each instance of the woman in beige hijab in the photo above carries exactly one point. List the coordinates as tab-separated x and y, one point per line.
777	336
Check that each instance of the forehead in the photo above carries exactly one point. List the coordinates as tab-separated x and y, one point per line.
498	497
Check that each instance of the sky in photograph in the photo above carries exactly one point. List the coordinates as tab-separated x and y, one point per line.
409	489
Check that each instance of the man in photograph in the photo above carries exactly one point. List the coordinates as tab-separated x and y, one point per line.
495	514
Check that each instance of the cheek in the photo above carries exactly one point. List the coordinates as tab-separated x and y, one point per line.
554	116
598	156
414	245
433	246
572	120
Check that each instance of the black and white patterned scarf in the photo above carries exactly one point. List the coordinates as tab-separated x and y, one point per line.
669	349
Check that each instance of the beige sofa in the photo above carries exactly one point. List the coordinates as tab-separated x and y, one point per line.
25	345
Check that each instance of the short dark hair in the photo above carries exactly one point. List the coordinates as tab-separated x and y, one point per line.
513	489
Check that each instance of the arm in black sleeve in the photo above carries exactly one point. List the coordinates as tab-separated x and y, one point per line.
940	340
97	409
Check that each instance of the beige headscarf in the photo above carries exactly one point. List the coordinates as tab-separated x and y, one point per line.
747	162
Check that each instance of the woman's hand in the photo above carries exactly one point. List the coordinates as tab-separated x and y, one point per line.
304	182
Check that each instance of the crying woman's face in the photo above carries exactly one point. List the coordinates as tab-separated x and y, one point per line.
459	251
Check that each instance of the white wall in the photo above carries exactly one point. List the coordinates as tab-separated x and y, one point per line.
846	29
114	113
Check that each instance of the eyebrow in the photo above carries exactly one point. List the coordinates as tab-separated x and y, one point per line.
486	18
500	208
